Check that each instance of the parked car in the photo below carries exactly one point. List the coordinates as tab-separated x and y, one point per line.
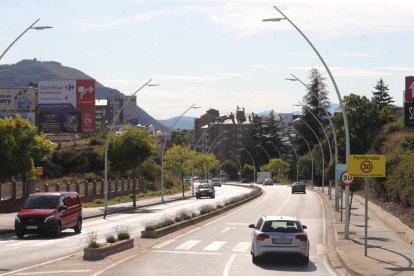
205	190
244	180
268	181
49	213
216	182
298	187
279	235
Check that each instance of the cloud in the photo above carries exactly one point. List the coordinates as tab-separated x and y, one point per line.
359	55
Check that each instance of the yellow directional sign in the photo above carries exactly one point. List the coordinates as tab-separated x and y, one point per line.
39	171
366	165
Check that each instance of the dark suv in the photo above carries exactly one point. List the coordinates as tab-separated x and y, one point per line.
49	213
205	190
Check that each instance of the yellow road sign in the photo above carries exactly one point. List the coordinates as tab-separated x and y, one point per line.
366	165
39	171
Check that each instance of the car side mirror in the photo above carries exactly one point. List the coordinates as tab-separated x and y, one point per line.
252	226
304	227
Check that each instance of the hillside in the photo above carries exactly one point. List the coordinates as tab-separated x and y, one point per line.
28	71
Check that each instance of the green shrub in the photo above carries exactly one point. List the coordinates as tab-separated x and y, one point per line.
156	224
91	240
183	215
122	232
205	209
110	238
407	143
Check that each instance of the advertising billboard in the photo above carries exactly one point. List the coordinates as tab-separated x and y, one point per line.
409	114
409	89
66	94
67	122
15	99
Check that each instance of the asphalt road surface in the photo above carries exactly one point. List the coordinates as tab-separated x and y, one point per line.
222	246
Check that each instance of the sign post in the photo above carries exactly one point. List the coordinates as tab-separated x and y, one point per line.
366	165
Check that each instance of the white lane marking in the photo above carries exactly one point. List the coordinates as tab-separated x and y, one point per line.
228	265
283	205
114	264
241	247
45	263
214	246
54	272
188	244
226	229
187	252
163	244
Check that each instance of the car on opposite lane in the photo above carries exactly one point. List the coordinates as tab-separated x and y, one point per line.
216	182
205	190
298	187
268	181
279	235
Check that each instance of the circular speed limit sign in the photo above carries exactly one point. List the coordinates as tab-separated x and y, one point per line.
346	179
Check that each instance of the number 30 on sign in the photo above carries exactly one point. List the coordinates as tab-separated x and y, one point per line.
346	179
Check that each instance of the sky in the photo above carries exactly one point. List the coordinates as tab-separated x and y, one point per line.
218	54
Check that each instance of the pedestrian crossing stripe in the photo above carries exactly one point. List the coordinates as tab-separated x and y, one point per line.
214	246
240	247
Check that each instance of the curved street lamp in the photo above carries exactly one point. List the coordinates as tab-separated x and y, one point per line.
215	140
163	149
254	165
260	146
297	159
31	27
323	155
270	142
107	142
341	104
310	151
333	133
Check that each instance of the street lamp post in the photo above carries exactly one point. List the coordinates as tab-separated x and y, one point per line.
297	159
163	149
254	165
107	142
341	104
310	151
214	142
267	154
31	27
333	133
270	142
323	155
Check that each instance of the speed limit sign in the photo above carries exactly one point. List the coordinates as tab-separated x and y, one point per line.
346	179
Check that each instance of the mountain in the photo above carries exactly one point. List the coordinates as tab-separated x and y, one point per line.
28	71
183	123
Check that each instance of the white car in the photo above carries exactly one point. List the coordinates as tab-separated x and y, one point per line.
279	235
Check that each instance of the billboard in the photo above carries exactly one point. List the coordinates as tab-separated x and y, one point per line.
15	99
67	122
66	94
409	114
409	89
30	116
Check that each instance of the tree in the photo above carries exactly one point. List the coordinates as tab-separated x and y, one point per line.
182	137
230	168
179	160
21	148
248	171
381	98
128	149
315	103
276	167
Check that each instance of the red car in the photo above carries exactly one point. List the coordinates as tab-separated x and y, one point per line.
49	213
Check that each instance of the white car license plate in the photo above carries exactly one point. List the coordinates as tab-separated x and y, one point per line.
282	241
31	227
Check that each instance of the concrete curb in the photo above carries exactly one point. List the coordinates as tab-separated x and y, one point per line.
95	254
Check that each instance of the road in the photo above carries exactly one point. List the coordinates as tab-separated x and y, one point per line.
17	254
222	246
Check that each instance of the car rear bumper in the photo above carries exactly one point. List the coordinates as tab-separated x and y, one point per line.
280	250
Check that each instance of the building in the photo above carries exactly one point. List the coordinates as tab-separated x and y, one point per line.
222	135
103	113
129	113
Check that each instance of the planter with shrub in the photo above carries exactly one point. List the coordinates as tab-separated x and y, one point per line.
115	242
